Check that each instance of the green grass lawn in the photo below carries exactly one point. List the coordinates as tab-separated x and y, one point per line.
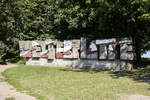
60	84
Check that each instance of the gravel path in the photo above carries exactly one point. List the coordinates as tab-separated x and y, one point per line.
8	91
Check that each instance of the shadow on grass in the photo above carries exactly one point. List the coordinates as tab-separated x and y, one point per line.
141	74
82	70
145	62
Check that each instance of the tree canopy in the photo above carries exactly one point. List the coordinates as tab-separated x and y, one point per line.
67	19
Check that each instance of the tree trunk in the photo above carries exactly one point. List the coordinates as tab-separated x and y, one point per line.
137	52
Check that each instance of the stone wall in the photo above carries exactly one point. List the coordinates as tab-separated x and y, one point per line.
78	64
84	53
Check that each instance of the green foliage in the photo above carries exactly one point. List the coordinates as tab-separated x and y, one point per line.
22	61
67	19
10	99
22	20
3	48
129	18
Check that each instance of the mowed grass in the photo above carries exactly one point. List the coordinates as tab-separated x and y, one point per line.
60	84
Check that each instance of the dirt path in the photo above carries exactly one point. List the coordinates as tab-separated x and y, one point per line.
133	97
8	91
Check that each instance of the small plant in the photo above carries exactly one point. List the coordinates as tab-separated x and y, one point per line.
1	80
22	61
10	98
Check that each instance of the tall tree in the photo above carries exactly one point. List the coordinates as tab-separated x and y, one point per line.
129	18
23	20
67	19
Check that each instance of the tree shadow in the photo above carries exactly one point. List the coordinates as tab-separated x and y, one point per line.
145	62
88	70
3	63
10	60
140	75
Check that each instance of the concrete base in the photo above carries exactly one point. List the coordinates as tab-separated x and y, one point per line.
78	63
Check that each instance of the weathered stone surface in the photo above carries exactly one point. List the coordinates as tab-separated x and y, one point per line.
126	52
123	48
103	52
79	64
130	48
25	45
28	45
21	45
126	40
92	56
83	48
67	56
75	53
76	43
59	44
127	56
51	54
96	56
38	49
43	45
111	55
36	54
75	48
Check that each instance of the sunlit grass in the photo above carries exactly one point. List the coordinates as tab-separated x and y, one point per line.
10	99
60	84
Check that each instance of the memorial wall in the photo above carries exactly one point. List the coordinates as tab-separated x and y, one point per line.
113	53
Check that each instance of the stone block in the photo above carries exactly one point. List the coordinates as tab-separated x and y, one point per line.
36	54
92	56
127	56
51	54
123	48
111	55
76	43
83	48
130	47
103	52
75	53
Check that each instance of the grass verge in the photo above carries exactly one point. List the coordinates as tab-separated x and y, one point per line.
10	99
60	84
